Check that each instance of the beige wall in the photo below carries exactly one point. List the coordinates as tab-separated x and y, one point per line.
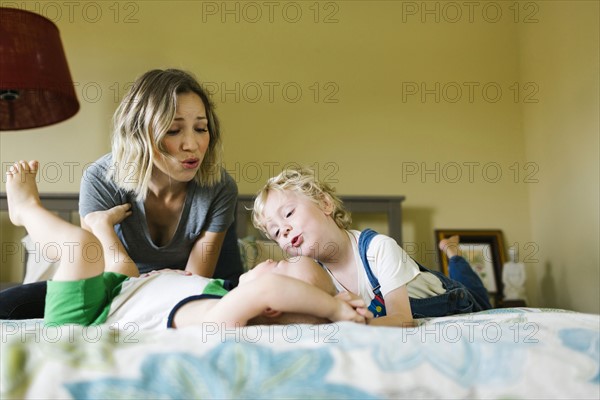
561	134
395	100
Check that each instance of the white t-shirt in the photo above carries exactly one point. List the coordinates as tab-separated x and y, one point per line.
154	299
392	267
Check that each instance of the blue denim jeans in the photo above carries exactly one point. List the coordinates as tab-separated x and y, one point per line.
465	292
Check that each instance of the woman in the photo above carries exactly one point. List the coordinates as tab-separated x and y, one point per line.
165	162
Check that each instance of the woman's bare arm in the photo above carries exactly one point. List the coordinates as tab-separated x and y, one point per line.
205	254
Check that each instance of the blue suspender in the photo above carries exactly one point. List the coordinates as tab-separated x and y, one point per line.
377	306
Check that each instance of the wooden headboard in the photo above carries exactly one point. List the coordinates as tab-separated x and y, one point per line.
65	204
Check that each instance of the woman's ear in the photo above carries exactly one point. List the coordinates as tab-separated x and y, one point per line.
270	313
327	204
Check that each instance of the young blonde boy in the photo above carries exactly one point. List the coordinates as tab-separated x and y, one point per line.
96	281
306	218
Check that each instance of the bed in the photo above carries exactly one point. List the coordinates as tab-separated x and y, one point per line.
501	353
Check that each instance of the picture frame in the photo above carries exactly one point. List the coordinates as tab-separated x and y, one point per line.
484	250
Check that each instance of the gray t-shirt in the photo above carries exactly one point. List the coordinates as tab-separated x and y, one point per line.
206	209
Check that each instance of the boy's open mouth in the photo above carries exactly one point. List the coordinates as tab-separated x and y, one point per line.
297	241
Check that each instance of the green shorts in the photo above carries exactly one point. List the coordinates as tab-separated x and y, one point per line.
83	302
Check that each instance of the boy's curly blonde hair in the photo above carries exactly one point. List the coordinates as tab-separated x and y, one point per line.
300	180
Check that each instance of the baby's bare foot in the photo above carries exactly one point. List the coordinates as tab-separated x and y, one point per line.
108	218
21	190
451	246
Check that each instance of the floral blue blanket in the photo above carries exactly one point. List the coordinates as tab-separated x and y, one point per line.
498	354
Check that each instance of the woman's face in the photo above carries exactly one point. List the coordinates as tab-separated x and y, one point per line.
186	141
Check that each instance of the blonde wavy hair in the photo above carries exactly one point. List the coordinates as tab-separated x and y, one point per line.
142	120
300	180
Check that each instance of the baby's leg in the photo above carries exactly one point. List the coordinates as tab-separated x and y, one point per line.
102	225
79	251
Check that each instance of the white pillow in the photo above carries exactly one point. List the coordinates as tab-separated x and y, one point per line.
254	251
37	267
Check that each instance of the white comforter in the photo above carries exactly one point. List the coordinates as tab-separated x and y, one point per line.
503	353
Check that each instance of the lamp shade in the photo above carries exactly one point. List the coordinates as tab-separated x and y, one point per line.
36	88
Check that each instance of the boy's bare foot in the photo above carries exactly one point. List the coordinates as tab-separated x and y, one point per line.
21	190
109	218
450	246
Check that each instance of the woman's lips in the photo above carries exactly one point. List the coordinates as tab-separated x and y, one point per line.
190	163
